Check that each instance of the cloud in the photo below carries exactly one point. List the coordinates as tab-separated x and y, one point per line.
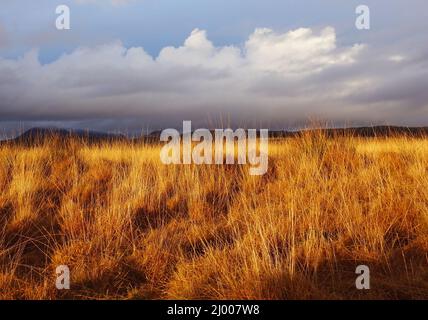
273	79
396	58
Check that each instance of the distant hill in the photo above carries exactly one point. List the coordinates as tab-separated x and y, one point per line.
369	132
375	131
38	135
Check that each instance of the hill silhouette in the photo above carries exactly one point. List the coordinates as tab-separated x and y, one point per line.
39	135
368	132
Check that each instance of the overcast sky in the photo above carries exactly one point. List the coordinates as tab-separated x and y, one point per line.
149	64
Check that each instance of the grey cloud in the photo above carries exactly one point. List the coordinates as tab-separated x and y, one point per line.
275	80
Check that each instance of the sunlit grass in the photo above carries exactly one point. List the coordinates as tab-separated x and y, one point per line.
129	226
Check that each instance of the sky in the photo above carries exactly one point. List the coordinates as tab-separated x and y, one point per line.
137	65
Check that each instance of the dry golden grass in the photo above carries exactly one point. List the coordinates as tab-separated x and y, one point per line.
131	227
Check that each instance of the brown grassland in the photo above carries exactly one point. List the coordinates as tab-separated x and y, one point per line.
130	227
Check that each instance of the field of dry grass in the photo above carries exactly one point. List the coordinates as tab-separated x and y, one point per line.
130	227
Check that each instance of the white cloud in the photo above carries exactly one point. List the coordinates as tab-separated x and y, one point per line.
396	58
299	51
273	79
